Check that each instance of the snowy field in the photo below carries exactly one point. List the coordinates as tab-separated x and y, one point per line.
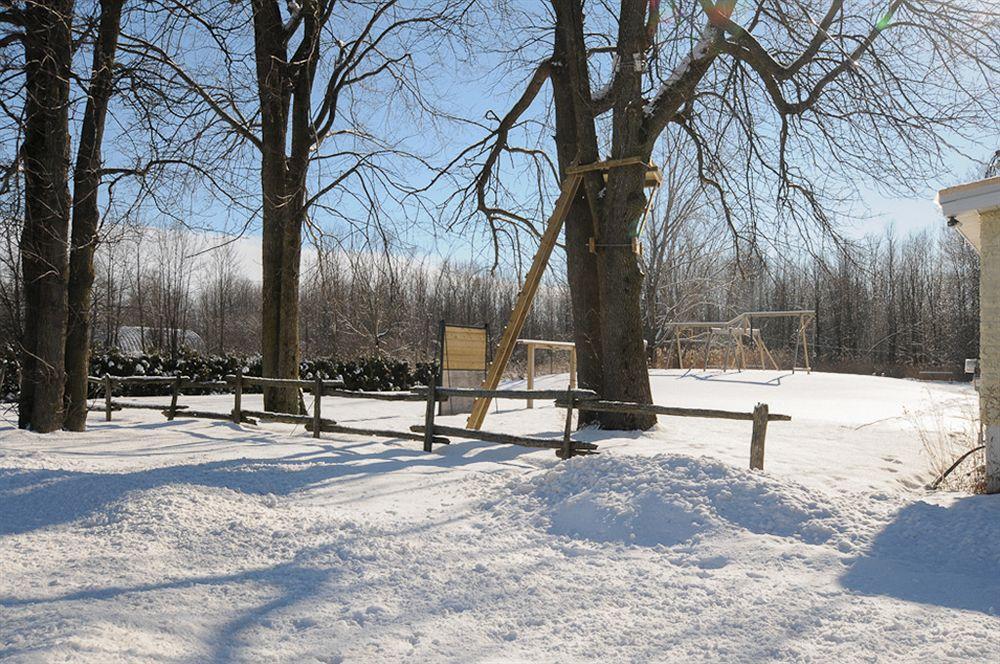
147	540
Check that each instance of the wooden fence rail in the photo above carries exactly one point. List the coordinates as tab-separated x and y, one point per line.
542	395
629	407
760	417
504	438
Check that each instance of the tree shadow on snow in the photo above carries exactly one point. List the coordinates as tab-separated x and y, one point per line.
736	377
32	499
945	556
291	583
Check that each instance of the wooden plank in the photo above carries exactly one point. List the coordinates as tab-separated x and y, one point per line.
209	415
607	165
524	299
502	438
379	433
137	380
628	407
277	382
550	345
380	396
464	348
542	395
284	418
118	405
760	417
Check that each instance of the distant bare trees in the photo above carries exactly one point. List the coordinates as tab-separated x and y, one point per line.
883	304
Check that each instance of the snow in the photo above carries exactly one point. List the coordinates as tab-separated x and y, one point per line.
698	51
146	540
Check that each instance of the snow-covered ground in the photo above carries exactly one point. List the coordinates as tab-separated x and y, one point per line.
147	540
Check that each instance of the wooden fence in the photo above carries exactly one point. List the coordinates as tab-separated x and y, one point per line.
430	433
760	417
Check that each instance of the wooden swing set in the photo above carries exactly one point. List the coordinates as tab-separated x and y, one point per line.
570	185
738	338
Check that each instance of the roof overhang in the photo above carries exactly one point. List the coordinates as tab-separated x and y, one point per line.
962	206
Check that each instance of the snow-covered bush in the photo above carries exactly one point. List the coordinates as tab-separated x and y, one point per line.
373	373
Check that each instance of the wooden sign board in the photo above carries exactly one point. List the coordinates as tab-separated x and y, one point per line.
463	363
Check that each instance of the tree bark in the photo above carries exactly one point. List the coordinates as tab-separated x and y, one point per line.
86	217
285	89
45	154
626	373
576	141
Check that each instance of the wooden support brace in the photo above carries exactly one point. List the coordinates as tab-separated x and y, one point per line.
524	299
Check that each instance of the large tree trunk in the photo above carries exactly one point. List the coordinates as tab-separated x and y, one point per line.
283	183
45	153
581	265
605	288
86	217
626	374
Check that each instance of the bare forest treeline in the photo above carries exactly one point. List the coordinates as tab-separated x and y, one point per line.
888	304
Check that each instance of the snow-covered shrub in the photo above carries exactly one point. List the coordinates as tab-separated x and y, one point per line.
373	373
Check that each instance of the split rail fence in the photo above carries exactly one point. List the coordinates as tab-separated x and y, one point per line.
430	432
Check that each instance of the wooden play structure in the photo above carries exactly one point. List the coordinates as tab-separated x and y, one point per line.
540	344
570	185
739	339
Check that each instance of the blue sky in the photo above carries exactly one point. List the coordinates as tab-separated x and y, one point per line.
469	88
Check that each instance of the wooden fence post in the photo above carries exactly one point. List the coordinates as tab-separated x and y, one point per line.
567	448
429	414
238	399
316	407
757	438
531	372
175	392
107	397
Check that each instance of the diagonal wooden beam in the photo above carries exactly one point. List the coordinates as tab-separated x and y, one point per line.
524	298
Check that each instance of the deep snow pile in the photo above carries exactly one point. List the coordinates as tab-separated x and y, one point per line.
667	500
143	540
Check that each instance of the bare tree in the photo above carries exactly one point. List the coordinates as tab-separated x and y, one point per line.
86	215
774	97
45	34
314	63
